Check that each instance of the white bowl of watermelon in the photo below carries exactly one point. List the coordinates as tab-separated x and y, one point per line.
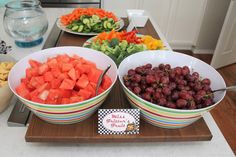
58	84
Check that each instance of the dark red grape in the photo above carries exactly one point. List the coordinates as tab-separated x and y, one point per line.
207	102
162	101
150	79
185	71
157	95
206	81
195	75
148	66
191	92
185	95
181	103
167	67
134	84
161	66
139	70
131	72
137	78
146	96
127	83
198	98
187	88
180	87
165	80
197	87
150	90
143	87
149	72
172	85
166	91
190	78
201	92
171	105
206	88
175	95
159	90
137	90
172	74
178	70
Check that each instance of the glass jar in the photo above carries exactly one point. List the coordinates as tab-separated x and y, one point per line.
25	21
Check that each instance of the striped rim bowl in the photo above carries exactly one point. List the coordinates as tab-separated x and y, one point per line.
64	113
162	116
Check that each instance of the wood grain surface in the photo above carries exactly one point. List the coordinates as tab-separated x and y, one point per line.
86	131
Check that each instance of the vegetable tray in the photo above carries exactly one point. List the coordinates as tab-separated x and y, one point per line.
87	131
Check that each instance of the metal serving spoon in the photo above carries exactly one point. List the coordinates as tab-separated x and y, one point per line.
230	88
100	79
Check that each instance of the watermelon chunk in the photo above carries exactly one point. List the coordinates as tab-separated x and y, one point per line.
43	68
85	93
73	74
66	67
106	82
75	99
94	75
63	58
22	90
31	72
100	90
65	100
55	83
66	93
34	63
52	63
48	76
43	95
82	82
91	89
56	71
63	76
36	81
37	99
67	84
54	94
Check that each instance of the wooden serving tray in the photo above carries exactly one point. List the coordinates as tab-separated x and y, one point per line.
87	131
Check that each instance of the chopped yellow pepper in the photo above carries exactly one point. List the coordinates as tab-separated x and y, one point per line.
152	43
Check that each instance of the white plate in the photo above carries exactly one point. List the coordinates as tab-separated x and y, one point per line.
89	41
62	27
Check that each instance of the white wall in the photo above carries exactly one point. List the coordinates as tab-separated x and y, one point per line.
212	23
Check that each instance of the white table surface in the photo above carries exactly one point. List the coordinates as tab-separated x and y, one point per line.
12	142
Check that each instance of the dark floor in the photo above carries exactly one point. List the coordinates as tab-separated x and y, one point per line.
224	113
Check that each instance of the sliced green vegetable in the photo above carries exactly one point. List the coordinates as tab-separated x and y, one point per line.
75	28
80	29
95	17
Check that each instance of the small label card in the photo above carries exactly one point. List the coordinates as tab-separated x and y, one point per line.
118	121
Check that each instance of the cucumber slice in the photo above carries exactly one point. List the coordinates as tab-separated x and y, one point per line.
95	17
74	28
105	24
80	29
109	26
86	21
86	29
